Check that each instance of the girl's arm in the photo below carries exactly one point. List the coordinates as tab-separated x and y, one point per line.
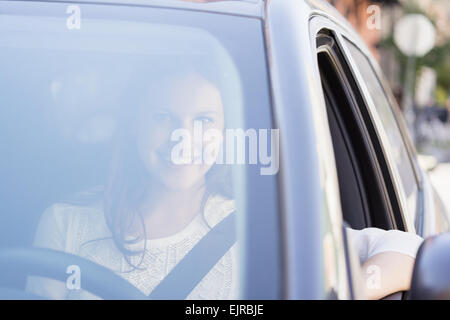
386	273
387	259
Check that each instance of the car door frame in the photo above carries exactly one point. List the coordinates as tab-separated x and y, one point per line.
295	81
324	21
306	154
318	22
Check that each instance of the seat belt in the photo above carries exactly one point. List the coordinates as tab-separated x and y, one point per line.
194	266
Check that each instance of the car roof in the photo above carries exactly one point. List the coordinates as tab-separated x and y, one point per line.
325	8
253	8
248	8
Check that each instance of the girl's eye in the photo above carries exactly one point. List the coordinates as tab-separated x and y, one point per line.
205	119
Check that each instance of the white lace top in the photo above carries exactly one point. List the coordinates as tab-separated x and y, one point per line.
67	228
70	228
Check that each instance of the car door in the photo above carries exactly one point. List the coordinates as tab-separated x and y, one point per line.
370	190
337	215
314	252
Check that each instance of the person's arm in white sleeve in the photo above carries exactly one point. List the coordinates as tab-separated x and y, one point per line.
50	233
386	256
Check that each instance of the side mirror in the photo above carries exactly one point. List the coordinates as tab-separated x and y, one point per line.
431	275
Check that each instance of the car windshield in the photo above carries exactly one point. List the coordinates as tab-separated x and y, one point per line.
126	136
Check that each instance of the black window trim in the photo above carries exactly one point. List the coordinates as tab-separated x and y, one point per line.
319	23
336	58
411	151
401	208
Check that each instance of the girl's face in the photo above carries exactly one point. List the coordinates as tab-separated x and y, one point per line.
178	104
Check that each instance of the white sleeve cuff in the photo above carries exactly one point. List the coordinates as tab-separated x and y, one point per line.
371	241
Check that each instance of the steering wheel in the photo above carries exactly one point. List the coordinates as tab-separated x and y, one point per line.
53	264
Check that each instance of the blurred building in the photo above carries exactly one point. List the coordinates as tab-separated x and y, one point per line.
440	11
362	15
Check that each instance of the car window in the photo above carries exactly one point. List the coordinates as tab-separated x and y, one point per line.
396	144
362	187
127	135
356	202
